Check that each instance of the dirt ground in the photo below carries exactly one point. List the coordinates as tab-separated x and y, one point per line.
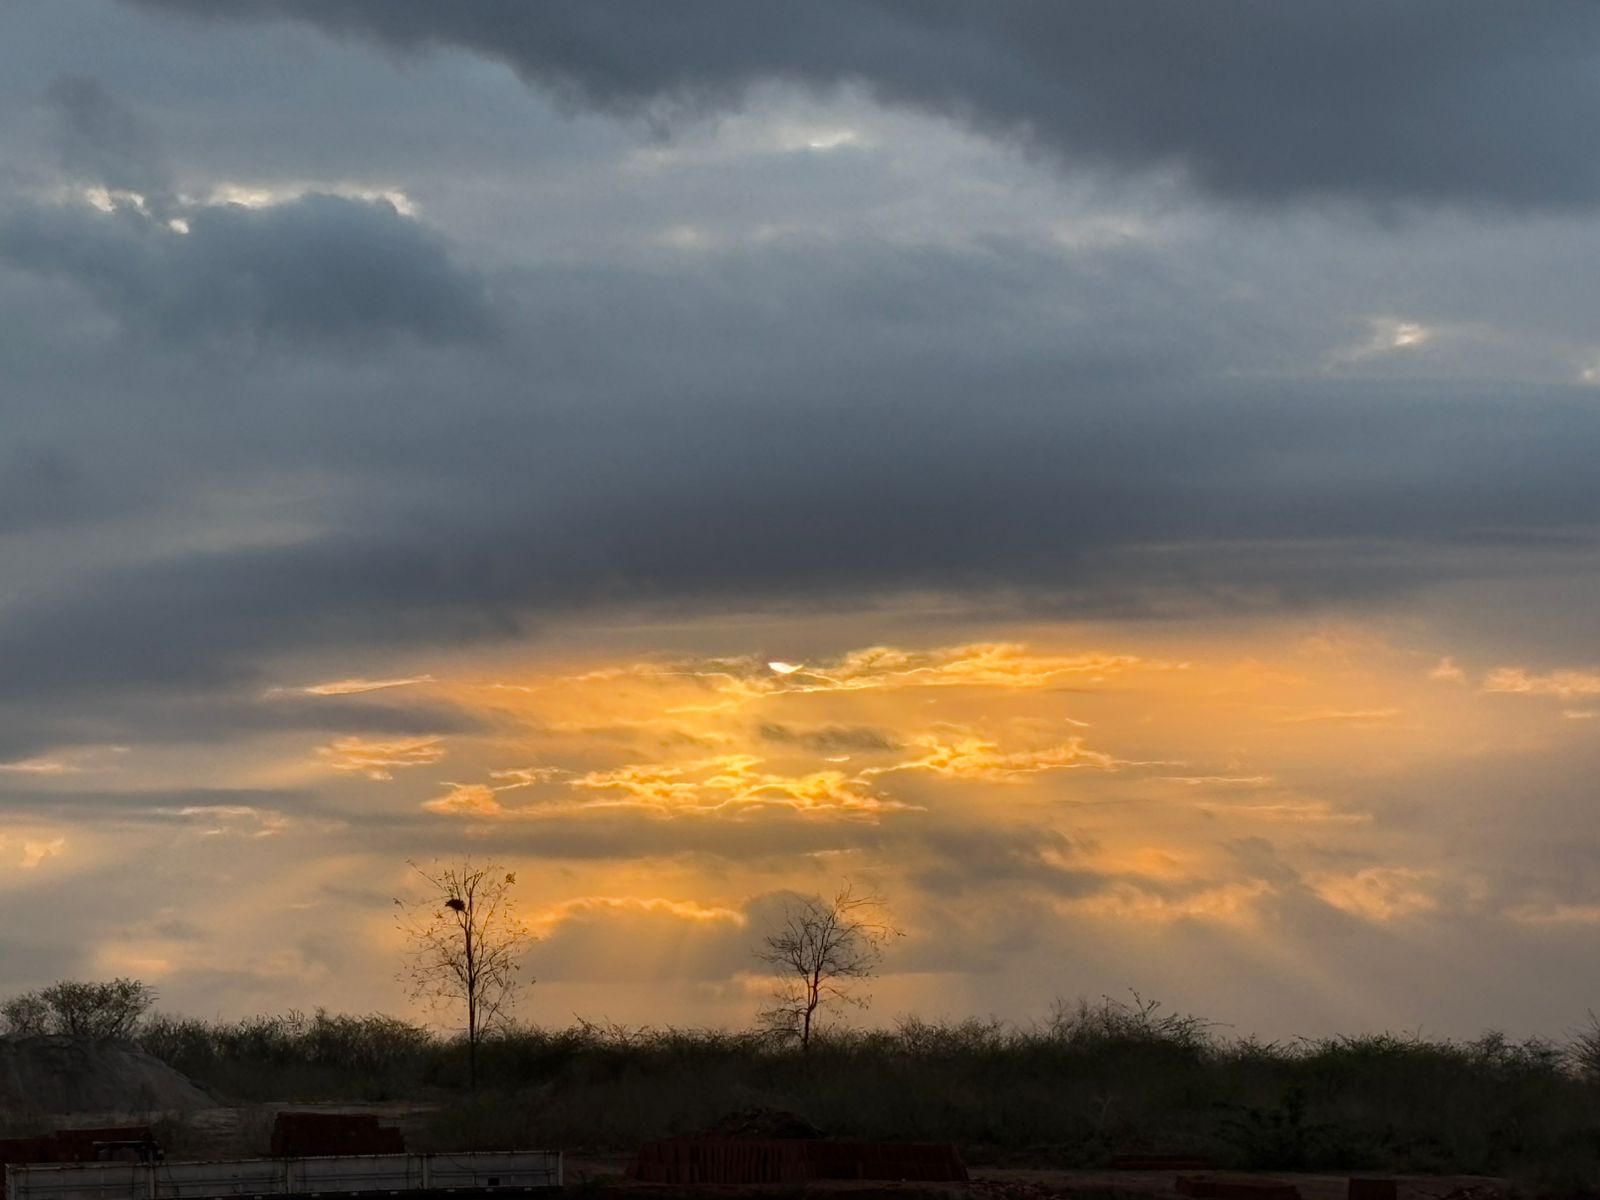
602	1173
229	1132
1025	1183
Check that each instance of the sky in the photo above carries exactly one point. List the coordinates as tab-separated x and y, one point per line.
1115	479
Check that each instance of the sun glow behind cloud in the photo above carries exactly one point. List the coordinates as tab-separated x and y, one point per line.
1022	801
1107	788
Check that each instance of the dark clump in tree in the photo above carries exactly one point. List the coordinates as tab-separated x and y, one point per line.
464	943
820	952
109	1009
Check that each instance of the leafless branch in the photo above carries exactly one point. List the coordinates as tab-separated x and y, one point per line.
819	950
464	944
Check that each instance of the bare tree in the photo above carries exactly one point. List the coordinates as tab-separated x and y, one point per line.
820	951
464	943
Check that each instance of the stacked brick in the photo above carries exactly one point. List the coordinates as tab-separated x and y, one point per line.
316	1134
79	1145
737	1161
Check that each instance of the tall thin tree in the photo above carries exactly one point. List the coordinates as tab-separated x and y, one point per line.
464	944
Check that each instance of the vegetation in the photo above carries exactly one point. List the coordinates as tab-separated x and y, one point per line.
464	945
821	951
97	1010
1089	1081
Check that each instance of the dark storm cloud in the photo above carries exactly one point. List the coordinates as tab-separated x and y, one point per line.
805	422
41	485
319	269
103	140
314	269
150	713
216	718
1078	513
1437	100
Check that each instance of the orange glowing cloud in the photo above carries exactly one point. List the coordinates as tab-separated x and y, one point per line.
1565	685
380	759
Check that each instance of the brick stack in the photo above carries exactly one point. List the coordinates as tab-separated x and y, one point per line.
78	1145
737	1161
1234	1187
316	1134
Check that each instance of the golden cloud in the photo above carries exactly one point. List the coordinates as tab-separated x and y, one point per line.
1229	903
215	820
39	766
730	785
1555	914
470	799
971	756
741	680
1566	685
380	759
683	910
356	687
1379	893
1360	717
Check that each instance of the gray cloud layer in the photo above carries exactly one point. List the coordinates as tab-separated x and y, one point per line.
814	348
1433	101
320	269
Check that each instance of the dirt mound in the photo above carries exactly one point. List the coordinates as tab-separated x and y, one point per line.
56	1075
761	1124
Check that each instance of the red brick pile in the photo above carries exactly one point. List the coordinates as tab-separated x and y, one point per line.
77	1145
1235	1187
794	1160
315	1134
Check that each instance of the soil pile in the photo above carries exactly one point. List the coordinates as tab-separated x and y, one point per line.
49	1074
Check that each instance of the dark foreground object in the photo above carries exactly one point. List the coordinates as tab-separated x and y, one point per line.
735	1161
316	1134
1163	1162
1234	1187
116	1143
361	1175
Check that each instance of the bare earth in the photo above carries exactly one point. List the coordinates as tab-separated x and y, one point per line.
604	1173
231	1132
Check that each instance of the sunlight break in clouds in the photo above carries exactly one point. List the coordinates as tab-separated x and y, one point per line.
726	786
30	851
683	910
39	766
238	820
961	755
269	195
1379	893
730	784
380	759
1567	685
740	681
356	687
